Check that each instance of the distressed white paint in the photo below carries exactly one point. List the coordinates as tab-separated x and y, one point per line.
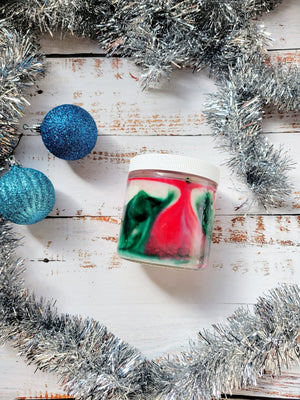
156	309
110	90
82	251
283	25
96	184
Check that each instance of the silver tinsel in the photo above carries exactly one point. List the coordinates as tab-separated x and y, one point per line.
92	363
162	35
159	35
21	64
239	107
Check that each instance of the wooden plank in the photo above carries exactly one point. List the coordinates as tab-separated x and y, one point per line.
284	386
31	384
282	24
261	251
68	44
74	261
284	56
17	379
72	256
110	90
96	184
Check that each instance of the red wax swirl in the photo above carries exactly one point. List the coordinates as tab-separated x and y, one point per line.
174	230
176	233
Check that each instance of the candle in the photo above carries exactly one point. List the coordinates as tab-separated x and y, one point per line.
169	211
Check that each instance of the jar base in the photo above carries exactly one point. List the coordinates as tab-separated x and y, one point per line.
161	263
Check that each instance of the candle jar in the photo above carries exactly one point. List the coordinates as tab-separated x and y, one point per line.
169	211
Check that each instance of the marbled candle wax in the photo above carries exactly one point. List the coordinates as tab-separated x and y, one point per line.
168	221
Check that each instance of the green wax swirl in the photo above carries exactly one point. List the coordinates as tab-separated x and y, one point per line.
140	214
205	209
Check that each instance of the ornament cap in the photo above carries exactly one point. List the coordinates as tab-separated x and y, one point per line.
12	161
34	128
174	162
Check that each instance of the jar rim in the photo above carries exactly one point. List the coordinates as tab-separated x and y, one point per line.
176	163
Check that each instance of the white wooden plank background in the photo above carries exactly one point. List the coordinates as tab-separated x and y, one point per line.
71	256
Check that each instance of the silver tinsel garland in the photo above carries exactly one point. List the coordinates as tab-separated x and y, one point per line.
159	35
20	65
93	363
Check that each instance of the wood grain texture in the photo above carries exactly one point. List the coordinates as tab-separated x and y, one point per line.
285	386
110	90
263	251
96	184
283	25
71	256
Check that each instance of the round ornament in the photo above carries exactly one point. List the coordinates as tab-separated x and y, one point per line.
69	132
26	195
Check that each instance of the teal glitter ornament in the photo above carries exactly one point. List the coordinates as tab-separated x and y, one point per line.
26	195
69	132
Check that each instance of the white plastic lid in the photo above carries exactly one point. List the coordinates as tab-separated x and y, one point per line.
173	162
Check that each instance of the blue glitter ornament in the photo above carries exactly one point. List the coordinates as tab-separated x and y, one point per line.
26	195
69	132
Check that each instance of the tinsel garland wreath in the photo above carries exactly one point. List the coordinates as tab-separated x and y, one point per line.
91	362
161	35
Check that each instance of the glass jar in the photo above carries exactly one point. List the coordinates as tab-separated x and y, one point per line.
169	211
